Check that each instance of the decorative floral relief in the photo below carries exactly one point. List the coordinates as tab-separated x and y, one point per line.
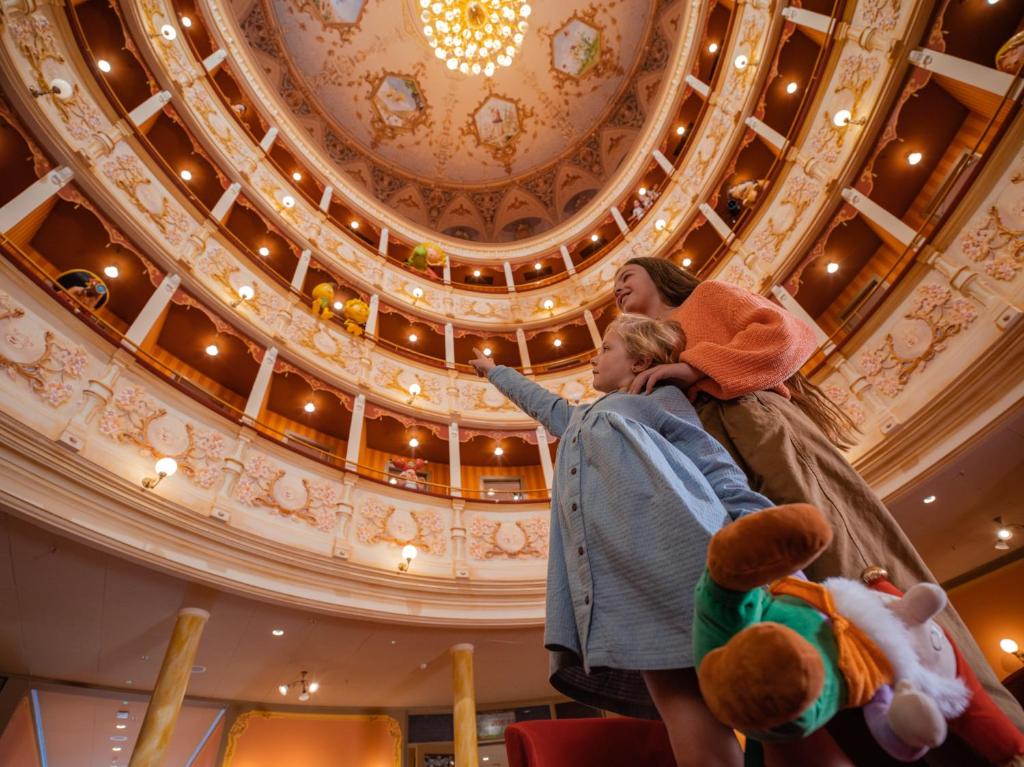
127	173
799	192
423	528
134	417
936	315
740	276
997	247
523	539
846	402
317	503
317	337
880	14
47	364
853	77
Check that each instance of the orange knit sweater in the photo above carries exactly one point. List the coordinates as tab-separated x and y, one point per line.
740	341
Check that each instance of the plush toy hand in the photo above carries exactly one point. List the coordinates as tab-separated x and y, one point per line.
914	717
678	373
483	365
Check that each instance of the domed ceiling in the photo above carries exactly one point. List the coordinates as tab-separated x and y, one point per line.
484	158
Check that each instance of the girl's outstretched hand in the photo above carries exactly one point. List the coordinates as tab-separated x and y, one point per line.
483	365
678	373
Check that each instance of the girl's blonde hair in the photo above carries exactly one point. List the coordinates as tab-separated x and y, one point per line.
661	341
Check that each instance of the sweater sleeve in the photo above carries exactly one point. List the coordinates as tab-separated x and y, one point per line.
745	343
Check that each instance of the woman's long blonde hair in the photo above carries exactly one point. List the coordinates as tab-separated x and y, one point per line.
660	341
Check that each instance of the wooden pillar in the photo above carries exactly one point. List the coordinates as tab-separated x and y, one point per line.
464	708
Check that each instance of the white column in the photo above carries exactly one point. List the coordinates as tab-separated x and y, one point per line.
325	198
18	209
569	266
771	136
355	433
791	305
524	353
619	220
223	207
662	160
299	278
382	246
214	60
454	460
699	87
809	19
268	139
986	78
508	277
545	457
595	334
879	217
260	386
447	272
371	321
145	111
716	221
151	312
449	346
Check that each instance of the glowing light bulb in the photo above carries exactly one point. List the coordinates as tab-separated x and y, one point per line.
288	201
314	686
309	407
643	191
681	130
832	267
167	32
687	262
186	22
414	442
338	306
417	292
594	238
1008	646
186	175
297	176
166	467
842	118
660	225
1004	533
713	48
212	350
487	351
499	451
354	224
914	158
476	272
548	304
928	499
413	338
264	251
278	632
538	266
558	342
283	689
791	88
104	65
245	292
111	271
740	62
409	551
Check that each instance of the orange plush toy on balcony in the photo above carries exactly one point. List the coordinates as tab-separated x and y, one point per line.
323	295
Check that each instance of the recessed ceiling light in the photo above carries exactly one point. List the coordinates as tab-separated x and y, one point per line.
122	714
643	191
264	251
558	342
687	262
992	2
681	130
392	481
186	175
538	266
338	306
103	65
791	88
713	48
594	237
487	351
277	632
199	669
929	499
414	442
297	176
499	451
914	158
309	407
1004	533
186	22
354	224
413	338
128	681
832	267
476	272
394	642
120	727
212	350
115	748
111	271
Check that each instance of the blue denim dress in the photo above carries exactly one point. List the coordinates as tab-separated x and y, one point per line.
639	489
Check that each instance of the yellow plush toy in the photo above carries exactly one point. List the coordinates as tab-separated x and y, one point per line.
323	296
356	313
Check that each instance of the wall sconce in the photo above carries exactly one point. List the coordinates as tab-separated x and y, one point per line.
165	467
1010	647
1004	533
844	117
288	201
741	62
548	305
306	688
60	88
245	293
417	294
414	390
408	555
168	33
660	225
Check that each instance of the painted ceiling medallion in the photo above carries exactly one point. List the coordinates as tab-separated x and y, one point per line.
334	13
398	105
497	125
579	50
475	36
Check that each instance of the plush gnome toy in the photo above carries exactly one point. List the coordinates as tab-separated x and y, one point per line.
778	656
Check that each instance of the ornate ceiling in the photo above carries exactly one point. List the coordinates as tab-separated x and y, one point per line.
488	159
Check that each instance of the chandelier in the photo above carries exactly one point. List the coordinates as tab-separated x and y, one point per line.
475	36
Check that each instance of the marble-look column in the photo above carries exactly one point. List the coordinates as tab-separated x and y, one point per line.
524	351
567	260
355	433
301	267
151	312
699	87
260	387
464	708
663	162
882	221
162	712
269	138
454	461
619	220
18	209
370	331
449	346
545	457
975	75
382	244
325	198
509	279
595	333
149	109
804	18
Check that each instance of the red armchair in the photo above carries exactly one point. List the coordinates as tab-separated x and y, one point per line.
614	742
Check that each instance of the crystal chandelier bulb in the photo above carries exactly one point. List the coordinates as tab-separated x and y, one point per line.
475	36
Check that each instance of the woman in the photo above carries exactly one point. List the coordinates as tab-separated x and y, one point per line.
740	368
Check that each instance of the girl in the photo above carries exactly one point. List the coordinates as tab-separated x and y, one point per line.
740	367
639	490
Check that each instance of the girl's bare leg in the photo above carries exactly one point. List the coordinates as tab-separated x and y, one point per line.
816	750
698	739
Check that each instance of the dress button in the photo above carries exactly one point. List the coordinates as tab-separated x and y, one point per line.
586	599
574	507
574	440
572	470
580	550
